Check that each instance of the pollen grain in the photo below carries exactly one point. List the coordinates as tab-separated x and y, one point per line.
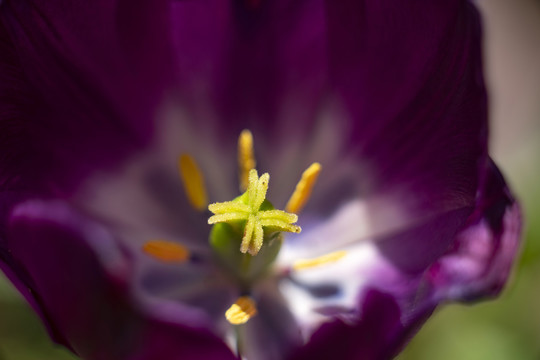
241	311
303	189
193	181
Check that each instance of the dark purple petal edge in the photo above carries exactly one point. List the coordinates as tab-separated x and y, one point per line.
78	278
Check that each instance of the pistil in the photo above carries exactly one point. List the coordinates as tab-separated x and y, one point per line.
247	211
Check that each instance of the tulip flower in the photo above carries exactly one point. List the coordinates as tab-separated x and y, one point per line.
251	179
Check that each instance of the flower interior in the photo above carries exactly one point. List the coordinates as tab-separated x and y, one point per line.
247	232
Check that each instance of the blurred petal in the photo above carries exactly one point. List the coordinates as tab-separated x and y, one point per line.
259	66
476	266
417	124
164	340
479	263
83	82
476	262
80	279
376	336
410	79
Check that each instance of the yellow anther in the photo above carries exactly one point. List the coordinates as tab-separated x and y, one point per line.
193	181
247	208
303	189
322	260
246	158
241	311
166	251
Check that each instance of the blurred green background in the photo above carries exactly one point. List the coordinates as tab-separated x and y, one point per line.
507	328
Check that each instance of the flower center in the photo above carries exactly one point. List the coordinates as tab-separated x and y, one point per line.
246	235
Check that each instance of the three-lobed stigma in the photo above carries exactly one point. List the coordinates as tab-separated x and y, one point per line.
248	209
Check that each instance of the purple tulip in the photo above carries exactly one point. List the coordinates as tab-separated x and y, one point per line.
120	124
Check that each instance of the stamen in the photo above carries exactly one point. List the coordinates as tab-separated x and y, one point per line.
303	189
241	311
247	207
246	158
166	251
322	260
193	180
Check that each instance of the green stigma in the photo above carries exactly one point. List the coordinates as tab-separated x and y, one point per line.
252	212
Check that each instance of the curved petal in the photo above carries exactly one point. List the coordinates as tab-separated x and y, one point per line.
80	279
417	112
80	84
476	264
376	336
417	123
417	105
480	261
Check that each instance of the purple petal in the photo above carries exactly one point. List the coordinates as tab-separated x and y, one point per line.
260	67
272	334
80	280
419	114
412	117
376	336
476	264
418	105
80	84
480	261
417	110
